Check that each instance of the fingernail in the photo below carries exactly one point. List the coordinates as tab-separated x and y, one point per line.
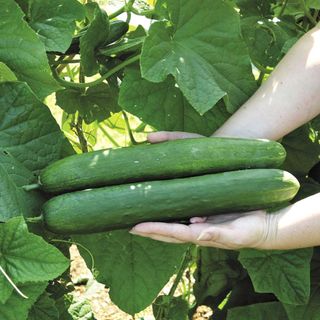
204	237
135	232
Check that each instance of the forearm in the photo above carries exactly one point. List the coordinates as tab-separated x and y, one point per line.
297	226
288	99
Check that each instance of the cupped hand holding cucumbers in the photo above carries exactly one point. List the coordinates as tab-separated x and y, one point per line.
279	106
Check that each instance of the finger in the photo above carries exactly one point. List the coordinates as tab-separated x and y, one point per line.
160	136
179	232
198	219
157	237
222	218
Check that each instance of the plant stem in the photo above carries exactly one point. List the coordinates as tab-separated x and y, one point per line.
126	120
146	13
260	79
307	13
283	7
30	187
108	74
127	7
183	266
12	283
81	246
35	219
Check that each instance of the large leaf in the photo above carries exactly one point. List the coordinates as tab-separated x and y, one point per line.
44	309
16	307
6	74
217	272
303	148
309	311
95	36
54	21
134	268
202	48
27	129
173	308
23	52
259	311
14	200
163	106
26	257
95	104
284	273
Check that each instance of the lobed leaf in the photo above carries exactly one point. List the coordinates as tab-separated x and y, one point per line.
23	52
134	268
202	48
54	21
284	273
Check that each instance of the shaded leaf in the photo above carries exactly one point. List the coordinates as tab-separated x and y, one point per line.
44	309
259	311
16	307
170	308
26	257
284	273
163	106
27	56
94	37
95	104
14	200
134	268
54	21
27	129
202	48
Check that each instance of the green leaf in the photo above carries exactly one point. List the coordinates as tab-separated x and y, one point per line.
44	309
303	148
14	200
54	21
27	129
314	4
163	106
95	36
284	273
26	257
16	307
23	52
309	311
212	284
6	73
134	268
259	311
266	39
203	49
81	310
170	308
95	104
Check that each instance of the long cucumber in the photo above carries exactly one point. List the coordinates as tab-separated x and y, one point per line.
172	159
122	206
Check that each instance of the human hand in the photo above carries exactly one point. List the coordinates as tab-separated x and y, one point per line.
255	229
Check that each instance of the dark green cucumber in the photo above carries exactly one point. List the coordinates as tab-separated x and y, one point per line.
118	28
172	159
122	206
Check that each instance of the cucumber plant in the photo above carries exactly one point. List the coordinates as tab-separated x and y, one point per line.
78	76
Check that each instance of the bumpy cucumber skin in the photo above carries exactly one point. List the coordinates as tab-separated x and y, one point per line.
172	159
122	206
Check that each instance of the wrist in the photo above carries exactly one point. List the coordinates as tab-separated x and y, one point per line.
269	234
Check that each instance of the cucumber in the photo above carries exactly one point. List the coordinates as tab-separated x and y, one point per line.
118	28
122	206
172	159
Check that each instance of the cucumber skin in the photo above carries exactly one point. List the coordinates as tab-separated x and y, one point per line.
122	206
172	159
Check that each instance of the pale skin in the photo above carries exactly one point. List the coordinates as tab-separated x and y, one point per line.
288	99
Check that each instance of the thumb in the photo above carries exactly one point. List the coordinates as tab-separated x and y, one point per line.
161	136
